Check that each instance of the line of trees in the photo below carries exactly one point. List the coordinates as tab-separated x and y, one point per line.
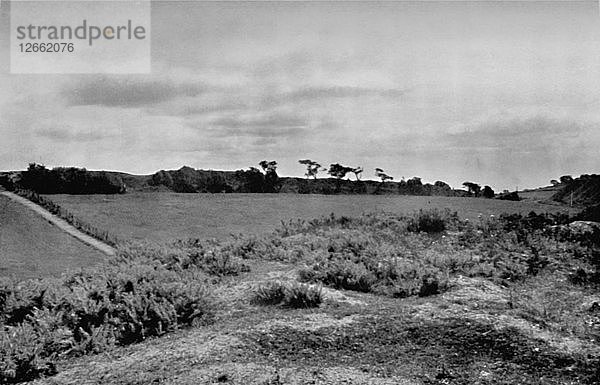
69	180
261	179
411	186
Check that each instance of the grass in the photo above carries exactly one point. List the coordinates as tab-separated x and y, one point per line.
30	247
60	212
166	217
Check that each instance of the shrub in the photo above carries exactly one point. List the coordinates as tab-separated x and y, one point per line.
217	263
22	354
509	196
341	274
293	295
590	213
302	296
427	221
93	310
270	294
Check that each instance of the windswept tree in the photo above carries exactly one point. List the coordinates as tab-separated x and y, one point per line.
271	177
338	171
357	171
474	188
312	168
268	166
379	173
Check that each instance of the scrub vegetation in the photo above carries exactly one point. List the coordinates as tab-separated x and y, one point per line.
425	298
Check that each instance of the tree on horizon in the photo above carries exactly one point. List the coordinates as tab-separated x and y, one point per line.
271	178
312	168
357	171
338	171
473	188
379	173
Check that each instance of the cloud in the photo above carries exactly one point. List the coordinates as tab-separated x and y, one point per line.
319	94
69	134
128	92
216	101
518	133
269	121
208	108
266	126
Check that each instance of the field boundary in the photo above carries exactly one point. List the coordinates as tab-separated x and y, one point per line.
62	224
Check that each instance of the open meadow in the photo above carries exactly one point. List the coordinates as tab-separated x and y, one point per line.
169	216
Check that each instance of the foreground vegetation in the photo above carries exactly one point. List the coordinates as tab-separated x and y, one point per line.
407	272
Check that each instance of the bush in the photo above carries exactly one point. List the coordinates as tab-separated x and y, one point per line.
91	311
217	263
292	295
510	196
342	274
23	354
590	213
427	221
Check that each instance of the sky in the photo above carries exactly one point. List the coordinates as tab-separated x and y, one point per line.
504	94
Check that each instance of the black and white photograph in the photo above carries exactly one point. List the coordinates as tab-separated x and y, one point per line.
299	192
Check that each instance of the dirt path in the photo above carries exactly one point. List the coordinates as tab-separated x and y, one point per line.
61	224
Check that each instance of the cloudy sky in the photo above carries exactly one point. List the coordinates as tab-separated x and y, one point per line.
501	93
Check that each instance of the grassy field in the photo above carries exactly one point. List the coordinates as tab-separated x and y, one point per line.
31	247
170	216
543	194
